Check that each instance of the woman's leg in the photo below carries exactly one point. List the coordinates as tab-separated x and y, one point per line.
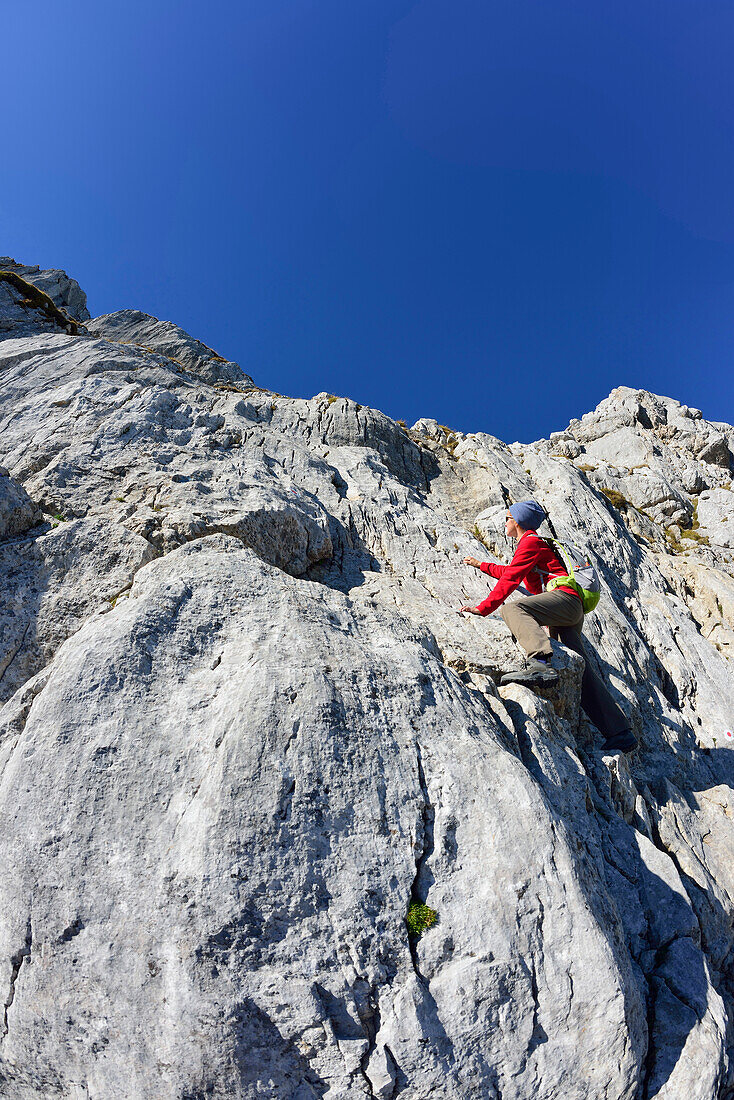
527	617
596	699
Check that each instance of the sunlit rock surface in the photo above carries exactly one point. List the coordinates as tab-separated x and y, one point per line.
244	725
132	327
63	291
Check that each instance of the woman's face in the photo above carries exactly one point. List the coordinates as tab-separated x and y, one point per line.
511	529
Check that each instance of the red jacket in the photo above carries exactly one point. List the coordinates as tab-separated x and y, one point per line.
534	563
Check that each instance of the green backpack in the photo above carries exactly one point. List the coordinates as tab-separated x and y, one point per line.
582	575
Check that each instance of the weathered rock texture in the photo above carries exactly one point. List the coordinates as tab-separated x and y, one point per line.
63	291
244	725
132	327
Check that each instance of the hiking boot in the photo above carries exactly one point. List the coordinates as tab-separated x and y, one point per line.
535	674
624	741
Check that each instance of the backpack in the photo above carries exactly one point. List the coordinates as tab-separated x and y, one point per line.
582	575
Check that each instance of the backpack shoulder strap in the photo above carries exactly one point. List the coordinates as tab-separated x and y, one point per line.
559	549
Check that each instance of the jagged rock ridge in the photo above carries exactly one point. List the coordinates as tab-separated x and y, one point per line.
243	726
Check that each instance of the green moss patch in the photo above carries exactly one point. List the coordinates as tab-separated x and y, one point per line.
419	918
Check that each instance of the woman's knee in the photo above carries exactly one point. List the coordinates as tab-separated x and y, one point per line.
513	612
506	611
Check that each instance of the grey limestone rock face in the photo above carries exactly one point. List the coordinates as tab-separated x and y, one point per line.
17	510
61	289
21	312
129	326
716	517
53	582
243	726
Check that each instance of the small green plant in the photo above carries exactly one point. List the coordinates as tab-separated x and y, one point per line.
121	500
57	516
419	918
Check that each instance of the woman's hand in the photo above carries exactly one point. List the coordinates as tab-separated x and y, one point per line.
471	610
474	562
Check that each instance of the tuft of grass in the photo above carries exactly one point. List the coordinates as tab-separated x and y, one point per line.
616	499
402	424
331	399
675	544
692	532
478	536
419	918
695	536
585	468
34	296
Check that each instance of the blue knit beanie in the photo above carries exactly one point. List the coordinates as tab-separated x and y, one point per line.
527	514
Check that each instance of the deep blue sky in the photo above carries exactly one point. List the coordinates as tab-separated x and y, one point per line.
491	213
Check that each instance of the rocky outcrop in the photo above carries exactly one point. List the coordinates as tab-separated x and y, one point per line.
63	291
244	727
25	310
129	326
658	456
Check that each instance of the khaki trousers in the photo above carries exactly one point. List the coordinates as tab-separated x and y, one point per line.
564	615
527	617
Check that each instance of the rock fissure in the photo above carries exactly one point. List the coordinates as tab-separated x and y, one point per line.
419	889
16	962
14	652
371	1024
